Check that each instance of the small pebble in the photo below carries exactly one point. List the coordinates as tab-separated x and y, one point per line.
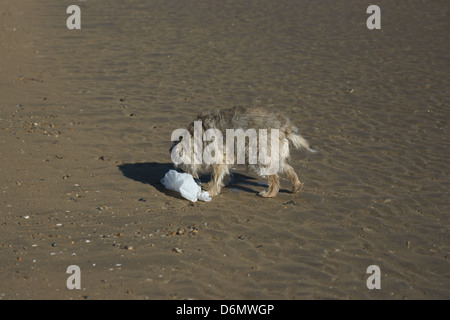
177	250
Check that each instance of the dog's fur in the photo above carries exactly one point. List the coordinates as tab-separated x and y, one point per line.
246	118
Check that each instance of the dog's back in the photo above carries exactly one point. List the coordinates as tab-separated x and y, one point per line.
244	118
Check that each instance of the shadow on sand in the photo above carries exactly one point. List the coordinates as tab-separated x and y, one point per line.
152	172
149	173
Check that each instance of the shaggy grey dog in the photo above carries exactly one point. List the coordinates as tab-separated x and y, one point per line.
222	122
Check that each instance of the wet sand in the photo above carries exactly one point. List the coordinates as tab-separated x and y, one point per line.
85	123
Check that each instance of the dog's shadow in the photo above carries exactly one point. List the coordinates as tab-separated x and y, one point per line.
152	172
149	173
146	172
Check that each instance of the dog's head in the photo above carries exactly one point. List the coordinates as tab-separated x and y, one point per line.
182	154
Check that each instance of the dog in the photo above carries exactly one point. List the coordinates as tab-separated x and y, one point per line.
243	118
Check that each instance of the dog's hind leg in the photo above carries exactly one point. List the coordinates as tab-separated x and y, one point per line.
292	176
274	187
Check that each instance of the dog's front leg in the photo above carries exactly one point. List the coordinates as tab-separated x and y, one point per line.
217	175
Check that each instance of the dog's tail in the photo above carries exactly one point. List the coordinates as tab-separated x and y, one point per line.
297	140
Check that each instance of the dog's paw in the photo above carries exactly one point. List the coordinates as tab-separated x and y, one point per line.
266	194
212	192
297	188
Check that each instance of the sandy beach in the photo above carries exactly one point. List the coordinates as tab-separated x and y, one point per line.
85	123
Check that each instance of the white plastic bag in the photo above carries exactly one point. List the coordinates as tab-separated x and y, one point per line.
185	184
